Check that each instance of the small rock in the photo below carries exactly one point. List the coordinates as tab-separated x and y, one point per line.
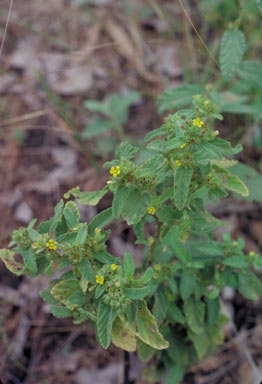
23	213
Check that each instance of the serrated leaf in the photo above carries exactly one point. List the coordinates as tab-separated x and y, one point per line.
155	133
251	71
57	217
236	262
233	46
123	336
47	297
148	275
65	288
135	206
161	304
252	179
100	220
71	214
182	180
187	284
234	184
86	198
136	293
86	270
60	311
129	265
194	312
105	257
29	259
81	234
126	150
249	285
11	264
178	97
119	201
147	329
105	318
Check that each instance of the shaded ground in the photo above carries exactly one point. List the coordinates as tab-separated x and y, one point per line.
56	55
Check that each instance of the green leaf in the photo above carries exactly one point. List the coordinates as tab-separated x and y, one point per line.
161	304
187	284
105	318
126	150
252	179
86	270
201	343
176	315
57	217
251	71
139	232
29	259
100	289
145	352
147	328
86	198
135	206
105	257
64	289
178	97
194	312
81	234
96	106
129	265
71	214
47	297
148	275
96	128
178	350
249	285
233	183
136	293
123	336
182	180
100	220
238	262
155	133
60	311
11	264
175	375
233	46
213	310
181	252
119	201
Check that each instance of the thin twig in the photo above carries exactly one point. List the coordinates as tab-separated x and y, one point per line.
6	25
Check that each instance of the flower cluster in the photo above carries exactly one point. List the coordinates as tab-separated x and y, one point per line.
198	122
151	210
115	171
99	280
51	245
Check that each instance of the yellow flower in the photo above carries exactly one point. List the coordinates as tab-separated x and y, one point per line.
97	231
197	122
115	171
251	253
157	267
113	267
99	280
51	245
182	145
178	163
151	210
34	245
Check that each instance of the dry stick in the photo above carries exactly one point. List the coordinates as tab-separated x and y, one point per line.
197	33
6	25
